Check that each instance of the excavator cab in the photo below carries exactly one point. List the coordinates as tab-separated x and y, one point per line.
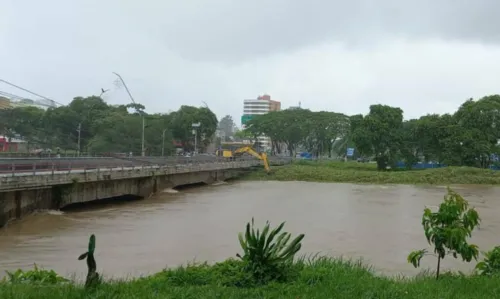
225	154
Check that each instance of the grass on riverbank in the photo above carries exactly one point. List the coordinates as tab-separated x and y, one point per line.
322	278
353	172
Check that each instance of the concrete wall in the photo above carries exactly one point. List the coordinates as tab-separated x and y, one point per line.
21	195
16	204
144	187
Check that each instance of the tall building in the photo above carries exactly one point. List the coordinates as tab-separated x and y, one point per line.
262	105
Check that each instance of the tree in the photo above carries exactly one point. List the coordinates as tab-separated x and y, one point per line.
226	125
447	230
379	133
479	132
23	121
467	137
121	132
409	149
103	128
324	129
182	126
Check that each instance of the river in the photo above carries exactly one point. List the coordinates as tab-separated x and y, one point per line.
380	223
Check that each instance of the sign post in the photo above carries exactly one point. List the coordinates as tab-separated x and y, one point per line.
350	152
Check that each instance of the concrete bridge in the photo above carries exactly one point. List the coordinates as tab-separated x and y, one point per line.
23	192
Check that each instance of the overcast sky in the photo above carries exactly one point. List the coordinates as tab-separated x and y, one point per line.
423	56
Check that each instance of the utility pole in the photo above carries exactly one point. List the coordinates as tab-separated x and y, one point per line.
163	142
143	152
79	130
195	141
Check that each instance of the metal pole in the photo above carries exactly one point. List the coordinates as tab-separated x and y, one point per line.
133	101
163	142
143	126
79	135
195	140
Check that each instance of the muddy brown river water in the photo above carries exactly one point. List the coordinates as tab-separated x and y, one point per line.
379	223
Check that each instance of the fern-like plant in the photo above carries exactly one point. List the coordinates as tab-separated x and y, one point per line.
266	253
92	275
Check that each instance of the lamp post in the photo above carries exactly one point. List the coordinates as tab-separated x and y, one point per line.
163	142
79	128
142	112
461	154
195	132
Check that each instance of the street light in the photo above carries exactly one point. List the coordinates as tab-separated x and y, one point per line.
195	132
79	128
163	142
142	112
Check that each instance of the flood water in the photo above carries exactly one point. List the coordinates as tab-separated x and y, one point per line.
379	223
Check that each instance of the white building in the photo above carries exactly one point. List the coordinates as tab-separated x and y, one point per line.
261	105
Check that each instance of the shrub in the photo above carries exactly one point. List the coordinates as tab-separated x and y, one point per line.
490	265
36	275
229	273
448	229
267	255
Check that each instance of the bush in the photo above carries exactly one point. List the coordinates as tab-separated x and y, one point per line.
229	273
490	265
268	256
36	275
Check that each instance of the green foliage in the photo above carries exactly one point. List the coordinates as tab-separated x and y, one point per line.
490	265
318	278
292	128
229	273
226	125
379	134
267	254
353	172
181	125
448	229
106	128
93	278
35	276
468	137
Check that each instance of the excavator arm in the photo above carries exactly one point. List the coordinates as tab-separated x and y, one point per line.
260	156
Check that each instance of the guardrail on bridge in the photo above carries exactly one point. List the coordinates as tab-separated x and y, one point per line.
26	167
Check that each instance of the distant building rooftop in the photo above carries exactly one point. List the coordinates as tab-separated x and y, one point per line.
10	102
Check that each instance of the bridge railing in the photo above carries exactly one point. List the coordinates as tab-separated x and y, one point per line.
48	167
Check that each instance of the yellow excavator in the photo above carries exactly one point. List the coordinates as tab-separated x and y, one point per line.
231	155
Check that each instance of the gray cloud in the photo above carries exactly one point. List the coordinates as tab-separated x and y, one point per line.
425	56
229	30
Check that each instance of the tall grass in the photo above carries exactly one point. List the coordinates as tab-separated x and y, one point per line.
353	172
318	278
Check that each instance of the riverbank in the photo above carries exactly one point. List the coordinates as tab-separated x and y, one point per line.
323	278
353	172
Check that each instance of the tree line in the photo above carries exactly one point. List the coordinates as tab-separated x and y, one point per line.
467	137
107	128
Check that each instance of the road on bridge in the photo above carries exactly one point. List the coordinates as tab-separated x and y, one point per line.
25	165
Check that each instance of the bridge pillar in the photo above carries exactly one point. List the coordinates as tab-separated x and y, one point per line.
17	202
4	215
